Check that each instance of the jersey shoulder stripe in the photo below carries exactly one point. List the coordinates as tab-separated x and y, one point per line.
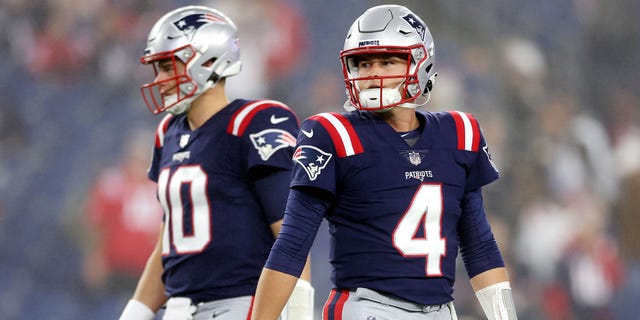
162	129
467	130
344	136
241	119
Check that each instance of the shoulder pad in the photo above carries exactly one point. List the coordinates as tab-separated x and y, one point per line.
344	136
467	131
243	116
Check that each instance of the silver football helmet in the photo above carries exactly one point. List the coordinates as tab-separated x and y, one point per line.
389	29
205	40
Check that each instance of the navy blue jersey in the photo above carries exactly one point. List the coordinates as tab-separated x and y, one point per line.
396	210
217	235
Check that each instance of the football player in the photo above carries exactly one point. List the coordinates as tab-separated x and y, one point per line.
400	188
222	170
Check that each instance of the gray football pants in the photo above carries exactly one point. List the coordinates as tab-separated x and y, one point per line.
366	304
225	309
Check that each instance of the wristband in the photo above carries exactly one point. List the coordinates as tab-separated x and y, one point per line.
497	302
136	310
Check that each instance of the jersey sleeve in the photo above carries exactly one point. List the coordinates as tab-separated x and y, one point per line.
272	190
478	245
318	149
483	170
268	129
304	213
475	153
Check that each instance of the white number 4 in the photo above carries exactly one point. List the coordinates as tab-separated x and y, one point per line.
425	210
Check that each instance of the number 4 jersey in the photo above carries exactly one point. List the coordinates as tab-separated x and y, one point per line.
397	215
217	235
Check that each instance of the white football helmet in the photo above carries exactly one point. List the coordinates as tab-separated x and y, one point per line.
205	40
396	30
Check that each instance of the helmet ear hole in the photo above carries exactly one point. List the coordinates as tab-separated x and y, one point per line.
430	82
209	62
214	76
428	87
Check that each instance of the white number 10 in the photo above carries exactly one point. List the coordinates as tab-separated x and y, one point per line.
425	209
170	187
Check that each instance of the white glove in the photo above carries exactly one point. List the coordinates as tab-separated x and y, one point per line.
497	302
300	304
136	310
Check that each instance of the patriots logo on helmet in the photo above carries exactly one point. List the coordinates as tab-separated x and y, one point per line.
312	159
268	141
191	23
416	24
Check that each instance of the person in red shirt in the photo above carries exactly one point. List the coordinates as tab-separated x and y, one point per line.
120	217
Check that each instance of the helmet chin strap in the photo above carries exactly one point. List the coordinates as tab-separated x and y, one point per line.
184	105
410	105
180	107
348	106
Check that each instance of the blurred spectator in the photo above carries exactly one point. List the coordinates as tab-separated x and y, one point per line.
524	67
524	71
624	126
591	267
627	226
121	216
13	142
58	48
570	185
543	230
13	130
628	221
575	150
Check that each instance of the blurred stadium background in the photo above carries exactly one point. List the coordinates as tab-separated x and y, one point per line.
553	83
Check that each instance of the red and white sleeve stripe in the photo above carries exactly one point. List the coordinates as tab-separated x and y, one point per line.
241	119
468	131
342	134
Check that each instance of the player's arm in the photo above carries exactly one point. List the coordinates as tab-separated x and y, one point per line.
493	291
301	301
272	189
306	272
289	254
272	294
149	295
483	260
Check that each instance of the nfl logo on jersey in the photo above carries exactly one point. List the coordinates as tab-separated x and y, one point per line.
415	158
184	140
